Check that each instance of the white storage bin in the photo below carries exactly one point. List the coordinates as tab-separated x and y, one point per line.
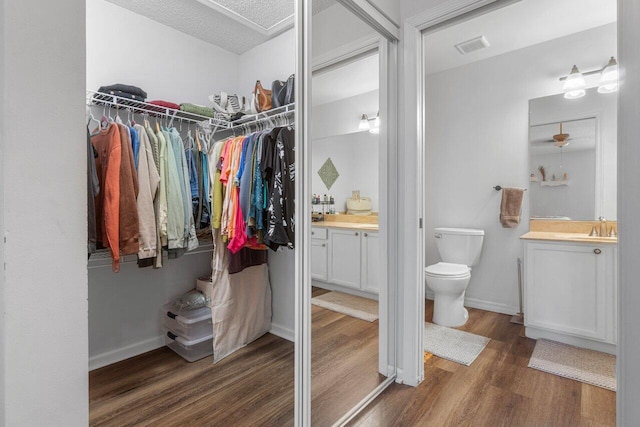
190	324
190	350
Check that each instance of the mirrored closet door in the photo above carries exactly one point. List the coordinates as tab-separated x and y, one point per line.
352	345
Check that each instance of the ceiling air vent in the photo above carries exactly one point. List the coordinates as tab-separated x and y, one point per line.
472	45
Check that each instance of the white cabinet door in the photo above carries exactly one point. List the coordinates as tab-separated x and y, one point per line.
371	262
568	288
319	251
344	258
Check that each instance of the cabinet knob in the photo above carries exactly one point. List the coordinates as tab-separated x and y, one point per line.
597	251
323	245
366	235
357	233
312	233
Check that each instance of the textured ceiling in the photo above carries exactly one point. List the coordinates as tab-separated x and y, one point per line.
195	18
264	14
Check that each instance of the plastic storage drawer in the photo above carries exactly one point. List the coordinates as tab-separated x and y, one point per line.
189	324
190	350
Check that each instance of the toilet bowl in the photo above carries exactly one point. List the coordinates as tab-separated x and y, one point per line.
449	283
459	249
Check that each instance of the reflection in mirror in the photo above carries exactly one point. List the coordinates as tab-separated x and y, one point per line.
347	268
563	164
572	172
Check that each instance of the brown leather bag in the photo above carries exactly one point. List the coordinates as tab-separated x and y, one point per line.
263	97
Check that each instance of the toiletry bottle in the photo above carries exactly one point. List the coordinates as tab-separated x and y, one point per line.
603	226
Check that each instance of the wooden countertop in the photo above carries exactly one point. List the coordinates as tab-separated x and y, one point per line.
347	225
567	237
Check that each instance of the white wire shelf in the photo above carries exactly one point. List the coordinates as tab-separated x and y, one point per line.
218	121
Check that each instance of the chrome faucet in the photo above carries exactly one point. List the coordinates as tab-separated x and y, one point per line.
603	226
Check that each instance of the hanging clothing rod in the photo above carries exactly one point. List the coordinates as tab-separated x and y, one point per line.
498	188
219	123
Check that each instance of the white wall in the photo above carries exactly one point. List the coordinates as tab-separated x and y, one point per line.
343	117
124	47
355	157
335	27
274	59
628	207
2	157
124	308
477	137
45	283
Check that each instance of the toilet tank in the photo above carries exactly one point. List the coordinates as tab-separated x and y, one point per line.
459	245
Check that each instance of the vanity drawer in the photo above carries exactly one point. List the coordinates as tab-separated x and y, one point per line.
319	233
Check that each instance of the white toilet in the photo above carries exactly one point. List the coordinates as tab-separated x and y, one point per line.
459	249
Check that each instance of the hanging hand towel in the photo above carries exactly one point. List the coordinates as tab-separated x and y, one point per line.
511	207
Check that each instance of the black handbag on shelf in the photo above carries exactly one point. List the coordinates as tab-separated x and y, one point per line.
278	93
290	95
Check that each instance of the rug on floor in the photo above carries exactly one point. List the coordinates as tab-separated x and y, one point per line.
351	305
452	344
580	364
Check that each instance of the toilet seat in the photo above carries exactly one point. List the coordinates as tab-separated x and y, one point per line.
446	269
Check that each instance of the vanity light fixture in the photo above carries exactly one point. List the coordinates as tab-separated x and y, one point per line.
574	85
376	124
609	77
364	123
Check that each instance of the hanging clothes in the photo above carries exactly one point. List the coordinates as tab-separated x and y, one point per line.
129	221
107	143
93	189
148	180
281	229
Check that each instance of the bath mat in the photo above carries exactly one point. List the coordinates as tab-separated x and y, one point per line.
452	344
580	364
358	307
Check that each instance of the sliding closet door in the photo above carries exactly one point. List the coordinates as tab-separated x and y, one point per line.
351	151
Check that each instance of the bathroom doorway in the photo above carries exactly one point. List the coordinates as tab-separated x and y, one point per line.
476	87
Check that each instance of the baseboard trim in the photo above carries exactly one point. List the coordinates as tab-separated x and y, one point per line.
484	305
118	355
282	332
344	289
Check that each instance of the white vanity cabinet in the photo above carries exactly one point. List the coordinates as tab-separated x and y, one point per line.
319	253
346	258
370	271
570	293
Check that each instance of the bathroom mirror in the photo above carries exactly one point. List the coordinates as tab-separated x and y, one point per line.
573	169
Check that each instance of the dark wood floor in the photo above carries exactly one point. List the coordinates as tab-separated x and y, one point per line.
498	389
254	386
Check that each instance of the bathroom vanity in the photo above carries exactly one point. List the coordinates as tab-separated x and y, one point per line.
345	256
570	287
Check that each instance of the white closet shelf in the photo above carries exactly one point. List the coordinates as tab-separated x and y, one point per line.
218	121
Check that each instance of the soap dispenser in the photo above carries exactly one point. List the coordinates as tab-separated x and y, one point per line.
603	226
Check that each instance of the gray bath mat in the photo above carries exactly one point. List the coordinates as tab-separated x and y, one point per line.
358	307
452	344
580	364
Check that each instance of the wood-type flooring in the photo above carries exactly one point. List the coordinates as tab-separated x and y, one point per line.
252	387
498	389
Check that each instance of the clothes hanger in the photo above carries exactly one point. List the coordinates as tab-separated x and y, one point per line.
93	119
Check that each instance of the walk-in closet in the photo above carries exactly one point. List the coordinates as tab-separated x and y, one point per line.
191	286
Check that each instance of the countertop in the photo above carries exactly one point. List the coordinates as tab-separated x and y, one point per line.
567	237
348	225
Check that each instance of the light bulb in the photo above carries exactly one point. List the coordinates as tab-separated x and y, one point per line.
574	85
609	77
364	123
